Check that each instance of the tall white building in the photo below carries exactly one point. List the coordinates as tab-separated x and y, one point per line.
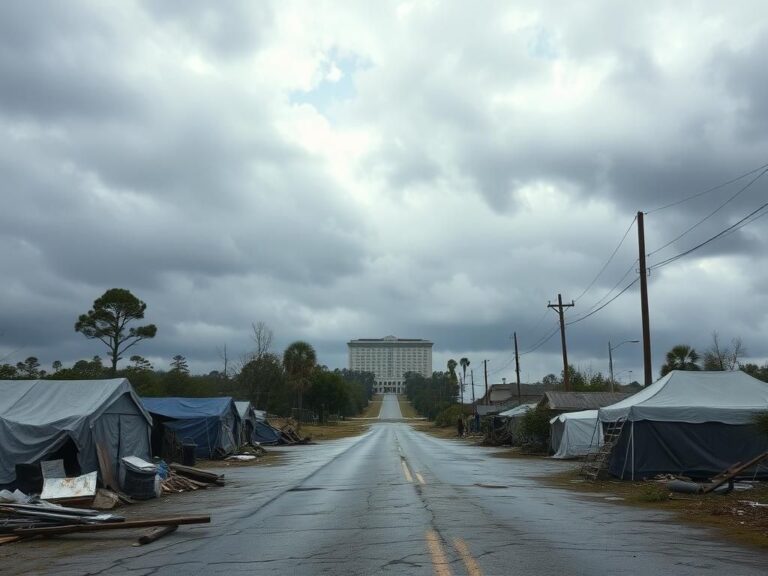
389	359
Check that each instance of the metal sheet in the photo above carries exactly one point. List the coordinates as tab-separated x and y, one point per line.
77	487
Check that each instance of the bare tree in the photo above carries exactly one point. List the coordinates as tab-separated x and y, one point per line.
225	358
262	338
719	357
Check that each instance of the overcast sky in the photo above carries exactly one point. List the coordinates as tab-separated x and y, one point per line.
343	170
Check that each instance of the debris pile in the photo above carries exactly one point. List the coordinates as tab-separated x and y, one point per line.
186	478
22	517
288	435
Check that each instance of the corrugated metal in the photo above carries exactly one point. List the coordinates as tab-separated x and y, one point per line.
573	401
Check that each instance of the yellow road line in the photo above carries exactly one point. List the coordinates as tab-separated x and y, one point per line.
406	471
420	478
473	569
439	561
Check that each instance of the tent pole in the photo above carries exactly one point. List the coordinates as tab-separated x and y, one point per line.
632	439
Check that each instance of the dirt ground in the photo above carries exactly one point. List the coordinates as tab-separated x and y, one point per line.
373	409
406	409
319	432
731	513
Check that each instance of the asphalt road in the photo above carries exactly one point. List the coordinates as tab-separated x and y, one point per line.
397	501
390	408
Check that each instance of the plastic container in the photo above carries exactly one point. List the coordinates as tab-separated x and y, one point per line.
139	485
188	448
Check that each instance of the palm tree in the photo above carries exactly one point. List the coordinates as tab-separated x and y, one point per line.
464	363
299	360
452	372
681	357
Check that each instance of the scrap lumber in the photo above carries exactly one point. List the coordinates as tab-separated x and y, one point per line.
732	472
102	453
156	534
198	474
9	539
68	529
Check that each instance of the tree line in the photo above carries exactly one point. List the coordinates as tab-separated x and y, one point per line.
272	382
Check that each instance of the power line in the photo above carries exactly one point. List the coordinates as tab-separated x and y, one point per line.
607	294
708	190
748	219
708	216
542	342
610	259
627	287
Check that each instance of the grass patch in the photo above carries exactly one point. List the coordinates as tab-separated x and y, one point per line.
343	429
735	520
372	410
406	409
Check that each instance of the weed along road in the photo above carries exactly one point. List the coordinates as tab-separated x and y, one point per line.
398	501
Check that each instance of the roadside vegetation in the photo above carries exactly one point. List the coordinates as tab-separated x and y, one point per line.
277	383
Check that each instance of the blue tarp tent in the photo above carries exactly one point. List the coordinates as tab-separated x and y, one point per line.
263	433
211	423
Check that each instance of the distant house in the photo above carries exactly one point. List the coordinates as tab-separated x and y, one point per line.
560	402
502	397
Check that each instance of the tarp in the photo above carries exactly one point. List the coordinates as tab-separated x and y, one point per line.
688	422
575	434
263	433
211	423
517	410
38	417
694	397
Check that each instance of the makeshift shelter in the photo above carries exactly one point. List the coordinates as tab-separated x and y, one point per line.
69	419
247	420
574	434
692	423
503	428
211	423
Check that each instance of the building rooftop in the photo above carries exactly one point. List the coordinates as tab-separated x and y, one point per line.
389	340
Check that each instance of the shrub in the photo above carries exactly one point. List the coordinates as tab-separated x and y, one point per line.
534	426
653	493
449	416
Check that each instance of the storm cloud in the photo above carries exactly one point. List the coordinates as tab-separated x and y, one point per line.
427	169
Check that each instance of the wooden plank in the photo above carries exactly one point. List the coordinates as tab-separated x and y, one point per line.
156	534
732	472
105	464
9	539
178	520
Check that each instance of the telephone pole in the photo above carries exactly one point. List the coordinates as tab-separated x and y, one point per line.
472	380
560	307
517	371
647	368
485	370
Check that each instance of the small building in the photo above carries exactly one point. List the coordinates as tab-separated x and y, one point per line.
560	402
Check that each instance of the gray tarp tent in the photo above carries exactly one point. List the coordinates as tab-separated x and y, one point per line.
692	423
248	420
38	417
574	434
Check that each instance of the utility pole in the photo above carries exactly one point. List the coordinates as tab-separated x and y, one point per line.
610	364
472	380
647	368
517	371
559	307
485	369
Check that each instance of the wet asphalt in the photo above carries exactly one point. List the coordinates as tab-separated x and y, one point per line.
398	501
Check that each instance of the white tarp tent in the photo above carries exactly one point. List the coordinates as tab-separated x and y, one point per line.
688	422
38	417
574	434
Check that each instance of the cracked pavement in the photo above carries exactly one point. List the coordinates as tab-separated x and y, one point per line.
347	507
